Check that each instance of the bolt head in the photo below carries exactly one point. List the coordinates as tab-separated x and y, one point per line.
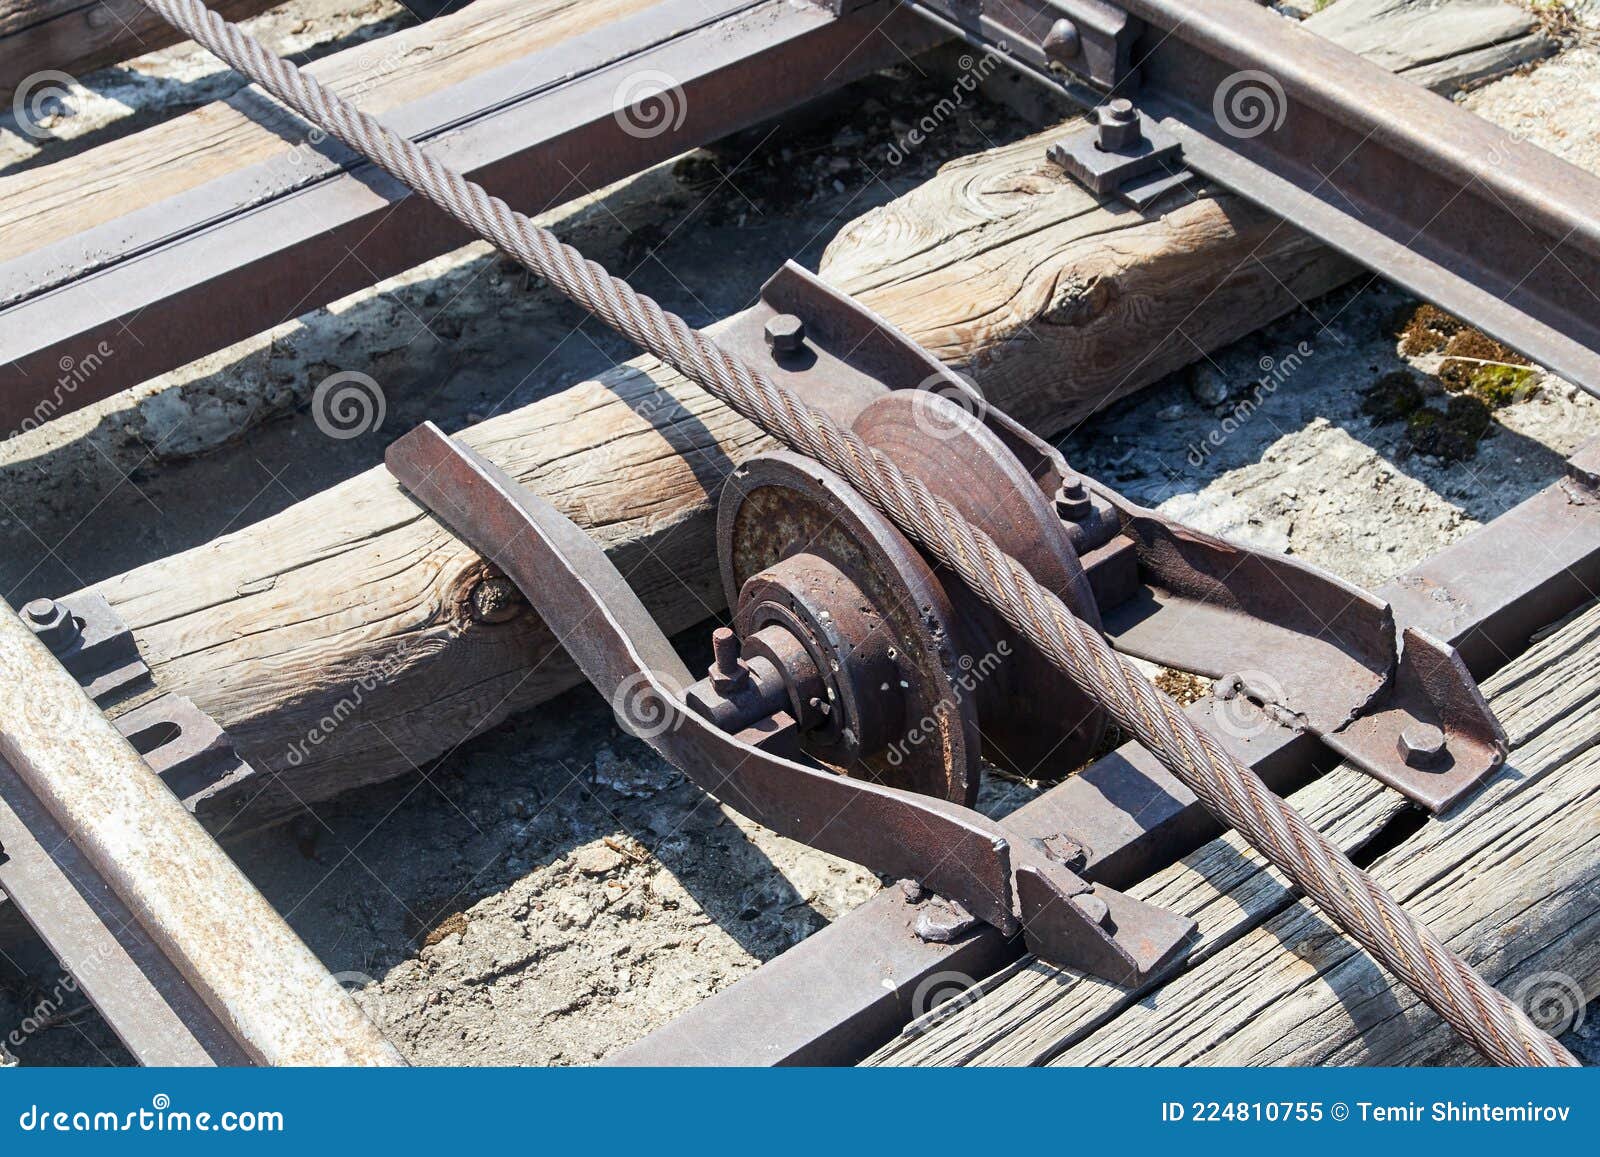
1421	745
56	626
1062	42
785	333
1072	500
1093	907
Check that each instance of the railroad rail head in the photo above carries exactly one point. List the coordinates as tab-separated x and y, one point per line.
186	961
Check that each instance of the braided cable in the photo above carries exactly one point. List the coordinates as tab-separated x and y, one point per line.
1494	1025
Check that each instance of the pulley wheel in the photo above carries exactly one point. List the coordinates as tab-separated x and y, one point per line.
1036	721
800	548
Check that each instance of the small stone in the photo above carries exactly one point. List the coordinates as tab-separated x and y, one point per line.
1208	387
1171	413
596	860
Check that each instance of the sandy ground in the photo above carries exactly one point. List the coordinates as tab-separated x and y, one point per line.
553	891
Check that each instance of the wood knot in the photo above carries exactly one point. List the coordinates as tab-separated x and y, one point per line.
489	596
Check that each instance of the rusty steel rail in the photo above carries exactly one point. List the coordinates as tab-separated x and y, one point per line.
257	247
836	996
186	960
1431	196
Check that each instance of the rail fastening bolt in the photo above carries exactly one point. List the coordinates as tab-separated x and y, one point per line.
1421	745
785	333
56	626
1072	499
1118	126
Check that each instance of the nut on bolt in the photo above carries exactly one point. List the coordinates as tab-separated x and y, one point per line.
785	333
1421	745
56	626
1072	499
1118	125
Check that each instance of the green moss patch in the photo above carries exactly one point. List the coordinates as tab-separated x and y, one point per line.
1474	363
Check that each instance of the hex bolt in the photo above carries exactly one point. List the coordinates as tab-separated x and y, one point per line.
1072	499
56	626
1062	42
1421	745
728	672
785	333
1118	126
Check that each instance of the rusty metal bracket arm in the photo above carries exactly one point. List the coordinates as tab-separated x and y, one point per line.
601	623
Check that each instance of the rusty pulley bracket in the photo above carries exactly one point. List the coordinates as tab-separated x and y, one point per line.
744	757
1312	652
858	692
